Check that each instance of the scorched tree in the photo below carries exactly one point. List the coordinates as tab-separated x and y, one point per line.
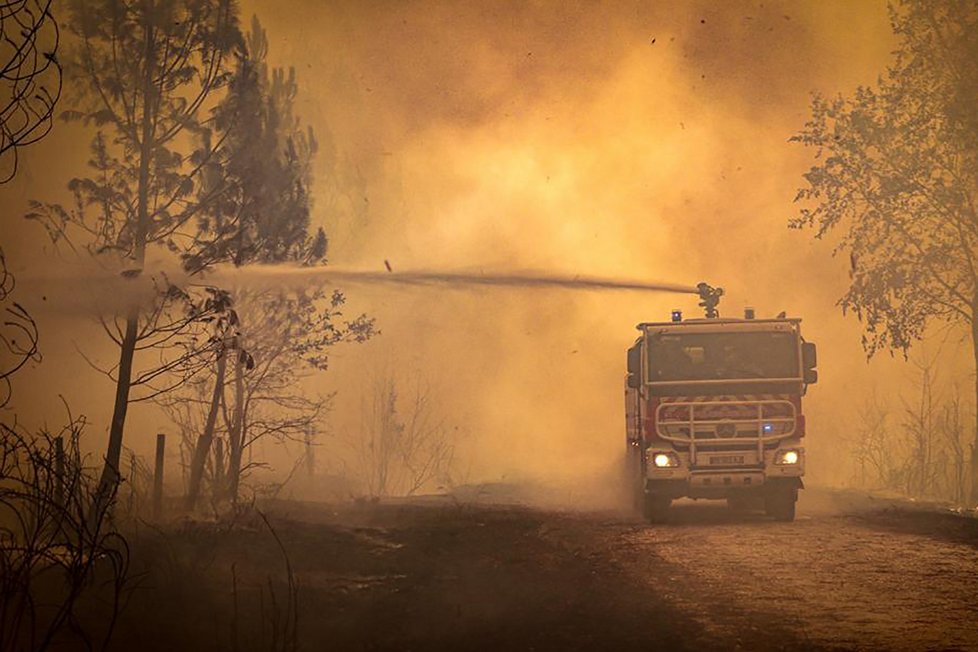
896	179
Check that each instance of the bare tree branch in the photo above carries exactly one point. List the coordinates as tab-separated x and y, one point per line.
30	78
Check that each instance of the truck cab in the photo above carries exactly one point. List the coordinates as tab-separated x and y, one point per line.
713	410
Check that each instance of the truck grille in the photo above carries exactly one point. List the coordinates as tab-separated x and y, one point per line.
728	421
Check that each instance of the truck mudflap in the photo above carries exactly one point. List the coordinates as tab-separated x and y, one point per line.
789	482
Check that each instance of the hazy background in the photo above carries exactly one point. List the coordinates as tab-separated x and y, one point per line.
642	140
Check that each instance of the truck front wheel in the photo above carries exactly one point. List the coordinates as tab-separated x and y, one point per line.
656	507
780	504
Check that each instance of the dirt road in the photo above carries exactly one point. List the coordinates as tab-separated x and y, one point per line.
846	575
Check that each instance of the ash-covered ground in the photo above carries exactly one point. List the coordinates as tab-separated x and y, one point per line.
488	574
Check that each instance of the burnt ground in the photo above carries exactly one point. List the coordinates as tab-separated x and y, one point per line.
850	573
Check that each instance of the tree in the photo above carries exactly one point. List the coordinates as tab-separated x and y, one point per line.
262	216
202	447
874	446
279	338
18	334
30	86
30	77
403	443
284	337
920	416
146	71
47	538
53	557
954	436
897	176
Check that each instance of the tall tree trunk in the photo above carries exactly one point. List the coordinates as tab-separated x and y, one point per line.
974	444
109	480
207	437
219	468
237	434
310	453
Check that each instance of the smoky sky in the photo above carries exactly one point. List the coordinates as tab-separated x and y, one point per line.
463	65
639	140
636	140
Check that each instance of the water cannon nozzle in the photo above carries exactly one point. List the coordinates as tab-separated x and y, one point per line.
710	298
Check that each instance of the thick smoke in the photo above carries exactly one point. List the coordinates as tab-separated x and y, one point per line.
638	141
632	141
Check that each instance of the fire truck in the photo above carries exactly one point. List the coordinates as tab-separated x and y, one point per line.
713	410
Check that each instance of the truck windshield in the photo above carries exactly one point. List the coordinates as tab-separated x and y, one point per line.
721	356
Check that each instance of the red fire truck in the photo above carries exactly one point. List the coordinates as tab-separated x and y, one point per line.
713	409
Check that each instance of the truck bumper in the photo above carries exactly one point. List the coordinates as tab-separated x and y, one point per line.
707	482
710	489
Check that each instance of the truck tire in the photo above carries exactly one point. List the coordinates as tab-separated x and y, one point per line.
638	500
634	479
780	505
656	508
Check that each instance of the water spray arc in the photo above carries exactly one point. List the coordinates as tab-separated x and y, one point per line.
458	279
119	290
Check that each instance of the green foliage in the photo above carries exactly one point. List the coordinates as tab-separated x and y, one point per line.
264	173
262	216
143	74
196	151
896	178
312	328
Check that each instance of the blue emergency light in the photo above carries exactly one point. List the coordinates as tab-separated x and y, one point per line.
677	315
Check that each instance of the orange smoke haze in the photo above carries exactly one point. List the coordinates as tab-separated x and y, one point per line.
618	139
631	140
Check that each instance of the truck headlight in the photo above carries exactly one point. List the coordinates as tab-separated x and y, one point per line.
787	457
664	460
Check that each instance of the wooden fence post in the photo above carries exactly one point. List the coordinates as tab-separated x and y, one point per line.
158	476
218	469
133	471
310	454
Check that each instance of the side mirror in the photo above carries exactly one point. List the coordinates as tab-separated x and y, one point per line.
635	366
808	355
811	376
635	360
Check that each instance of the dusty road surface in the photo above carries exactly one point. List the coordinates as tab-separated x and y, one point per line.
847	574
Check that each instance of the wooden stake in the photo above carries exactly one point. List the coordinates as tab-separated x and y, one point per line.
158	476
